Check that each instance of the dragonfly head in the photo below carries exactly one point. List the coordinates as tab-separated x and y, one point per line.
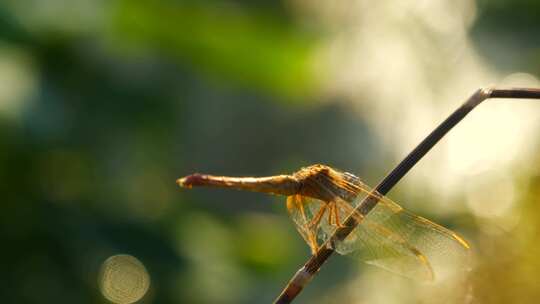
325	183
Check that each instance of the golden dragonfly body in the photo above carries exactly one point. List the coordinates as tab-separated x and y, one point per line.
319	198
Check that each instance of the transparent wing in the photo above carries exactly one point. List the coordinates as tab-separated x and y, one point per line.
401	242
388	236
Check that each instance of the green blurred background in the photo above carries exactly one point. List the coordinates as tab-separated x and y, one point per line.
103	104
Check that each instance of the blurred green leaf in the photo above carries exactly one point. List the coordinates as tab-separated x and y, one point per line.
247	47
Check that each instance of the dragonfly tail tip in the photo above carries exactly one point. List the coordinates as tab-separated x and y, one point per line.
184	182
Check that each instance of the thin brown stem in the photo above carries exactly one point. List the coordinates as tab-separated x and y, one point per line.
304	275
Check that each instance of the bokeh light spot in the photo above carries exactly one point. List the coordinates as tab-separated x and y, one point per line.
123	279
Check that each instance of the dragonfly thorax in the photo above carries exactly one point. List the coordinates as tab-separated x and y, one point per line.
326	184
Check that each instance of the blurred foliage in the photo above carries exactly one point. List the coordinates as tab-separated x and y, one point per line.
248	45
510	26
110	101
511	275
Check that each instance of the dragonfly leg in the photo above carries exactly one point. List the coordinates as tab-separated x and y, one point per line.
312	242
296	202
317	218
331	213
313	226
335	211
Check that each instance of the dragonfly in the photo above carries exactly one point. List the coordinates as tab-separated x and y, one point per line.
321	200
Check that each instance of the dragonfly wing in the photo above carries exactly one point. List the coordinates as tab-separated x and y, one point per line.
399	241
388	236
